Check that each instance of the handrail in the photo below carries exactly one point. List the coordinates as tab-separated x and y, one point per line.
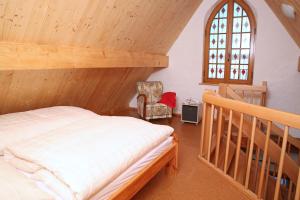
287	168
269	114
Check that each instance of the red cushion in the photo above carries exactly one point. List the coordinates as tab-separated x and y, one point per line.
169	98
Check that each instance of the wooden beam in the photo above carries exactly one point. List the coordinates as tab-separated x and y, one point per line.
21	56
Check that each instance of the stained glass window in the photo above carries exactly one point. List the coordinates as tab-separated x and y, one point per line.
230	32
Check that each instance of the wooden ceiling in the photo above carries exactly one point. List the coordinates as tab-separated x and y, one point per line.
43	41
149	26
292	25
105	91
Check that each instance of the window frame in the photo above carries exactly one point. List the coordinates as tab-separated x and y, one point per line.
228	49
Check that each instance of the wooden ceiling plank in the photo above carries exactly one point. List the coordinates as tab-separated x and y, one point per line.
125	25
291	25
18	56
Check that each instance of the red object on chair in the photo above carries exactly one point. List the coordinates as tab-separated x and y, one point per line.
169	98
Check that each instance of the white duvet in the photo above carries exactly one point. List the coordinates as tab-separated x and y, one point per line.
15	127
80	158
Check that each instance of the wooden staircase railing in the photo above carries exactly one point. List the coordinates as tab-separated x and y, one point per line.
250	167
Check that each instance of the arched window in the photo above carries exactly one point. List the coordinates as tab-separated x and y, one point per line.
229	43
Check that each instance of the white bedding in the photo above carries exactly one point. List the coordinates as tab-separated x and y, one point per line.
15	186
21	126
85	155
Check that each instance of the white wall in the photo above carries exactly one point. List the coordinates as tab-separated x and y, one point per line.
276	59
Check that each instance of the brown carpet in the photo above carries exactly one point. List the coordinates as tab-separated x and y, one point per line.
194	180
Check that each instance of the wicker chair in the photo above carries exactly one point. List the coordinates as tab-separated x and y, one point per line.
149	94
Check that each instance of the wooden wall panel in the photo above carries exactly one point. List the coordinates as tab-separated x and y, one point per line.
130	25
144	30
104	91
292	25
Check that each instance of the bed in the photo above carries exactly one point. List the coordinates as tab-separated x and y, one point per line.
72	153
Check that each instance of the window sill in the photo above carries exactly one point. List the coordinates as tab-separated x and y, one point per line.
211	84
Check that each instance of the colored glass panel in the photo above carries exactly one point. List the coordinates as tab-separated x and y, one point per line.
246	40
245	53
243	72
222	25
214	26
213	56
234	72
220	71
213	41
236	41
223	12
246	25
221	56
237	25
212	71
222	41
237	10
235	56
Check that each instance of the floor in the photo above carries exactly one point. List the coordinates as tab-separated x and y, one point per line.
195	180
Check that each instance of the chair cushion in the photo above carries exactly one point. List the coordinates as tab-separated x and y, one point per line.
158	110
152	89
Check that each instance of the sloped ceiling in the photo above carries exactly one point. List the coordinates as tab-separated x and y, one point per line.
292	25
133	25
41	34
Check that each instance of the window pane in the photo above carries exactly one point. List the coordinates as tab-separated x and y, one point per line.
222	41
246	25
246	40
214	26
212	56
213	41
221	56
244	72
237	10
222	25
237	24
212	71
234	72
223	12
236	41
220	72
235	56
245	56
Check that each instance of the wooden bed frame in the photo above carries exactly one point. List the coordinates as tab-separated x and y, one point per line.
168	159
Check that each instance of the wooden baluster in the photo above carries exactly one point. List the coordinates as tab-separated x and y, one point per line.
228	141
256	167
210	132
202	129
280	166
275	165
220	117
267	177
289	146
262	171
238	148
250	152
297	195
290	190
